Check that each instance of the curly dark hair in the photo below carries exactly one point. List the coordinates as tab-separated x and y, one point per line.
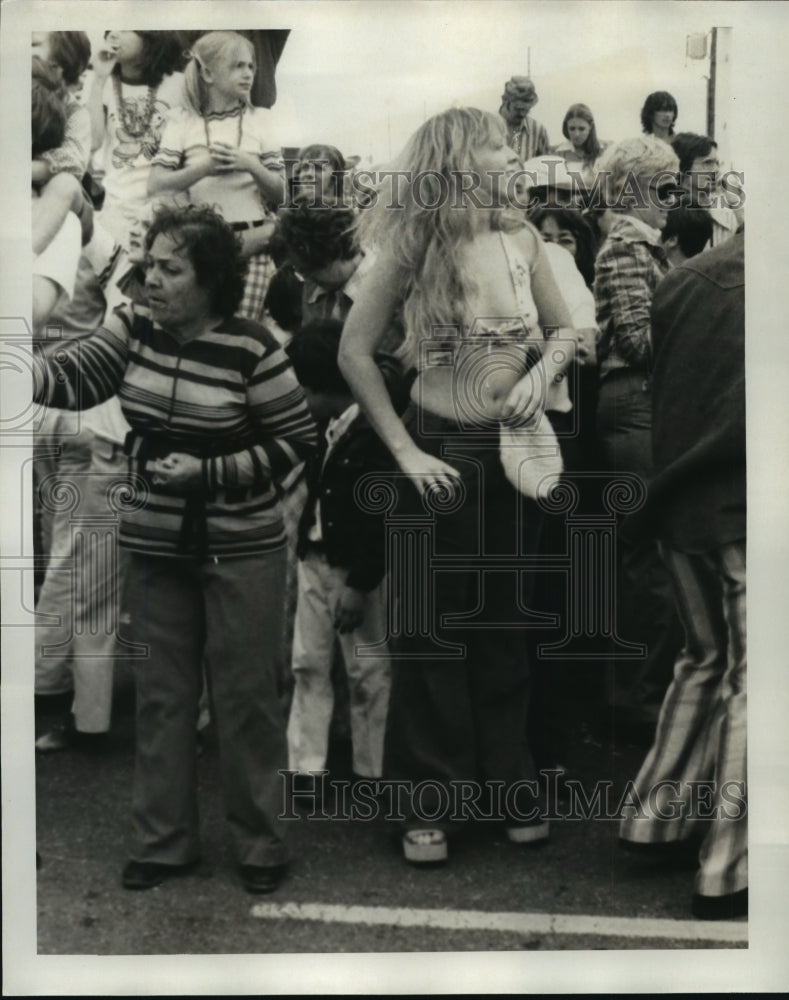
213	248
314	238
661	100
573	220
162	54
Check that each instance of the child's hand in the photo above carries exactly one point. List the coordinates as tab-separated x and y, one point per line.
230	158
104	61
349	613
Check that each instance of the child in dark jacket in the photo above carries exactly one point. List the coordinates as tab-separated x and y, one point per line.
341	572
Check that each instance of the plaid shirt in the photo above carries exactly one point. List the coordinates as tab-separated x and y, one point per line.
629	267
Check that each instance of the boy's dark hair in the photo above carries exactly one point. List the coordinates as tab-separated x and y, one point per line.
283	299
688	146
692	228
71	51
314	238
313	353
661	100
47	112
213	248
162	54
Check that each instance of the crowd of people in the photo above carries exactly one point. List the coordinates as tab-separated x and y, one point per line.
333	432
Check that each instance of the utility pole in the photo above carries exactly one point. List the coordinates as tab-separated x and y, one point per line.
719	94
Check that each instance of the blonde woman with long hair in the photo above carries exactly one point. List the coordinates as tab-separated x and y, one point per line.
475	300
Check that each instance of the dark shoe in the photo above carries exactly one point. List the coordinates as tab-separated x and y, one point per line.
262	878
149	874
728	907
674	855
65	736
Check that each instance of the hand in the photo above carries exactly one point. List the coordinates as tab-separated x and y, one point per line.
177	472
526	400
104	61
229	158
586	346
427	472
349	613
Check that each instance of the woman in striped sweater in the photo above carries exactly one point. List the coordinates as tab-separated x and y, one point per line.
217	418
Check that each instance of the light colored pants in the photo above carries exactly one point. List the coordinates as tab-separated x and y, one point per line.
78	606
320	586
701	732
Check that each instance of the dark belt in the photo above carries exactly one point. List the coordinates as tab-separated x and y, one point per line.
240	227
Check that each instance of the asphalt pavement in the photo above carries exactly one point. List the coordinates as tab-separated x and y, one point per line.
349	889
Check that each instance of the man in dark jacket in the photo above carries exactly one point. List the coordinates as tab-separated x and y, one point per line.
696	769
341	572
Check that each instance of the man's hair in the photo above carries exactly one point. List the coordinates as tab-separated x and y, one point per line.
692	228
212	247
314	238
47	112
688	146
71	51
660	100
313	353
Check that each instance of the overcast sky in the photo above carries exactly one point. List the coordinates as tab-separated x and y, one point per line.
365	75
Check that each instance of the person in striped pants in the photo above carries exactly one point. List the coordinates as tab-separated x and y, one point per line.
693	780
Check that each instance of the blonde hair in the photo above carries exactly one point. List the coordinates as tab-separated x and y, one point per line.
636	160
205	53
426	241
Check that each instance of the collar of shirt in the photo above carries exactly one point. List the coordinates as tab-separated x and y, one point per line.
632	230
340	425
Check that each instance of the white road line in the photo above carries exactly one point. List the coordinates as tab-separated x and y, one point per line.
518	923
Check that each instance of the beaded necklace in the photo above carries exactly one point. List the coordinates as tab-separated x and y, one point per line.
240	126
134	123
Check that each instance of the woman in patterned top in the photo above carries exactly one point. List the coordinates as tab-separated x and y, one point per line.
217	419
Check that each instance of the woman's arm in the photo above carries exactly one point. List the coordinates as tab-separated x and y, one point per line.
365	328
528	396
83	373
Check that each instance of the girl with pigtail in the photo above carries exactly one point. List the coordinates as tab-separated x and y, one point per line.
219	149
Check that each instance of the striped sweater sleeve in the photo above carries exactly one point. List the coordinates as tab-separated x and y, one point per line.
285	431
86	372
